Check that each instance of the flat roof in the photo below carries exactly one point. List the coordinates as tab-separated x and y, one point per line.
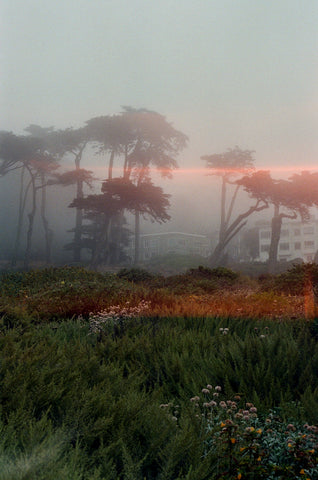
173	233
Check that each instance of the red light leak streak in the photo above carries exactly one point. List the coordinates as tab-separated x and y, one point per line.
283	169
204	171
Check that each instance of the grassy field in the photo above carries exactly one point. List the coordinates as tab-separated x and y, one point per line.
205	375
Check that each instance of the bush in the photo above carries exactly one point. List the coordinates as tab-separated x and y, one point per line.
297	279
136	275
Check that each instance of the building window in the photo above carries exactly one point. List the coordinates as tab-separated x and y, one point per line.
309	230
284	246
297	232
264	248
297	245
309	244
266	234
284	233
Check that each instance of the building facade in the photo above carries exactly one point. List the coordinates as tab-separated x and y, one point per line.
297	240
157	244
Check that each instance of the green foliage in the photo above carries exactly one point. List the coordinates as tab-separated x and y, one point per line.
113	401
296	279
137	275
252	446
79	405
60	293
219	272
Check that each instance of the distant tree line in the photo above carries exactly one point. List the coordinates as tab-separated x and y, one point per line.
289	198
135	141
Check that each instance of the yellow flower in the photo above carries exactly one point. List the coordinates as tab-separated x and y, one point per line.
259	431
233	440
222	424
239	476
289	445
242	449
312	450
259	459
302	471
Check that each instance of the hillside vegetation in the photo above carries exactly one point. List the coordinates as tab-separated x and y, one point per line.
136	376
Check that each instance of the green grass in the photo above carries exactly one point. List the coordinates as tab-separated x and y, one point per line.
115	404
90	404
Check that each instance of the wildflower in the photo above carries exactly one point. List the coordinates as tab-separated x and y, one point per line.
218	388
212	403
290	426
215	394
262	336
259	431
222	424
209	387
253	409
222	404
195	399
249	405
205	391
259	459
239	476
249	429
302	471
233	440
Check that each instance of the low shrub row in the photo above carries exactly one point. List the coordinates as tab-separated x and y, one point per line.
115	402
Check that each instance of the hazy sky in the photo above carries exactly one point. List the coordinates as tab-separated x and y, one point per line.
224	72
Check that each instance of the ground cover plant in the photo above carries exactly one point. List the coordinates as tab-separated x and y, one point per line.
153	382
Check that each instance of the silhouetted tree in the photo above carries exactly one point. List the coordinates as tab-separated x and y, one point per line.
29	154
228	165
289	198
143	139
72	142
117	195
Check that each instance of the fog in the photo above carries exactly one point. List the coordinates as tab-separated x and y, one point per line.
224	73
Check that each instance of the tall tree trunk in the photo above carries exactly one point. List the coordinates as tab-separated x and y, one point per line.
79	216
22	201
111	165
31	216
47	231
101	243
275	237
137	238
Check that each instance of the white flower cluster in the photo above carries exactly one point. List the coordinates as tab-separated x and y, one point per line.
116	314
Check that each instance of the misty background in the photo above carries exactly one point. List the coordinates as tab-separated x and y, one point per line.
224	73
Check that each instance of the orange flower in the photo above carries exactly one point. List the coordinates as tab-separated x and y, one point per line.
302	471
233	440
239	476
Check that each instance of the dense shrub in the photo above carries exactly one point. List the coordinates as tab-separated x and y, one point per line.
297	279
90	403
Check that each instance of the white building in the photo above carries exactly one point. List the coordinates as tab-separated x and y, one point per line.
297	240
156	244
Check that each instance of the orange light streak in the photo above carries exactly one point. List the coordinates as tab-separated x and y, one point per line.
117	171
